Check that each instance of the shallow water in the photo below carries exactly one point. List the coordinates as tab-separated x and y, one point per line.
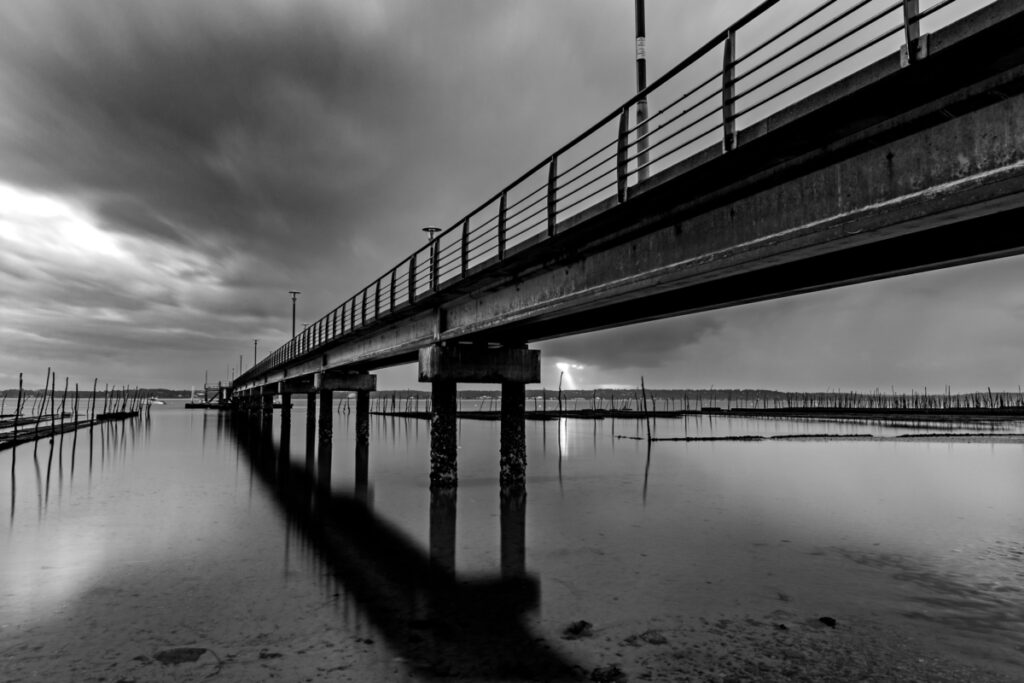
186	528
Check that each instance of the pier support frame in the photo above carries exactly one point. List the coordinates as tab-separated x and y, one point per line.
511	366
326	383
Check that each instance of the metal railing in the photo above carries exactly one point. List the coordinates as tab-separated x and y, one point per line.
708	97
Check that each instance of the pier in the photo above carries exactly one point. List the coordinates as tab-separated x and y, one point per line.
908	162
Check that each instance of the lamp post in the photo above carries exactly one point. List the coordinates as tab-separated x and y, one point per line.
432	241
255	343
641	83
295	295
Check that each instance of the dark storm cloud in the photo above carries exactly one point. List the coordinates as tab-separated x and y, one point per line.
182	121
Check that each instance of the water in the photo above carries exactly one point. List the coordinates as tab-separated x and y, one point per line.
184	531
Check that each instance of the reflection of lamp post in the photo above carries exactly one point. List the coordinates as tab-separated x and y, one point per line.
294	296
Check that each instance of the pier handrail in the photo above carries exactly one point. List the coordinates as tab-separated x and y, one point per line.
708	102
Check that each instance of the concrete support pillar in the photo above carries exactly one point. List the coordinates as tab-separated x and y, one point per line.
513	531
310	429
266	410
512	367
286	412
325	438
512	460
442	527
362	443
443	434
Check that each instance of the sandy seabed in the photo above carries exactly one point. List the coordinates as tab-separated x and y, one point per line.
105	643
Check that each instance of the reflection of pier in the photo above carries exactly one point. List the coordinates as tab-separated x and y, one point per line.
434	619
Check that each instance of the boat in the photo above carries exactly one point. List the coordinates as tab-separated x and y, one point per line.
156	401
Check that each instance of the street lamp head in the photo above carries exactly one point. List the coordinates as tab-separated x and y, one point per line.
431	231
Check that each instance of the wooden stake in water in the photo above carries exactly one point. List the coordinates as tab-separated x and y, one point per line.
560	392
647	417
74	441
17	413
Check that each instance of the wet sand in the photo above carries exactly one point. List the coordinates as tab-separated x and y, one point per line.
103	641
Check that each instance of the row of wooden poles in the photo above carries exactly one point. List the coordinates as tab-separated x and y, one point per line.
30	425
662	401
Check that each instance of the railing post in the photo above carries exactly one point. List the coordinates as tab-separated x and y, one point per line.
465	246
915	46
552	195
376	302
502	208
435	277
412	278
392	292
364	306
352	313
622	156
729	92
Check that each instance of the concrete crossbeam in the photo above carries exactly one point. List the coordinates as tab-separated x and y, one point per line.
298	385
472	363
344	381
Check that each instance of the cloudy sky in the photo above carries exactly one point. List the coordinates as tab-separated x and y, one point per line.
170	169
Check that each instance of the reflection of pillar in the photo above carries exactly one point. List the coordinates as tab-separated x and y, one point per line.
442	527
310	429
513	434
326	434
284	455
513	531
443	438
362	443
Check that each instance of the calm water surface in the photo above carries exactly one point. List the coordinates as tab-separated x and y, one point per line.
179	528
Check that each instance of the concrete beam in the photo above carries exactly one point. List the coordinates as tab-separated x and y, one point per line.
298	385
344	381
472	363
